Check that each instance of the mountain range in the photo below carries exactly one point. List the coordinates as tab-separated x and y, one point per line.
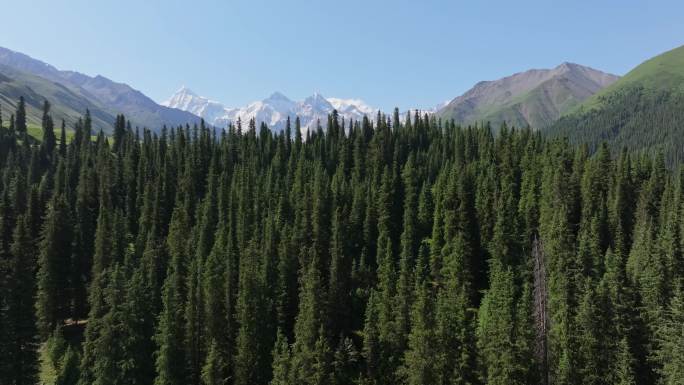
535	98
554	99
273	110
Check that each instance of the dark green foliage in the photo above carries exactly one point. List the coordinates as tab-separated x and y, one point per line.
21	341
671	341
53	299
376	252
69	371
20	117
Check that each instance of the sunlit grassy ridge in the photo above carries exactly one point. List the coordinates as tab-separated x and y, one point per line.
642	111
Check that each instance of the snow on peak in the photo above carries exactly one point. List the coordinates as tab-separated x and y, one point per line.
186	100
273	110
317	100
356	106
185	90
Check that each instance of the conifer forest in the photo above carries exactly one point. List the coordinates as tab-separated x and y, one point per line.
379	251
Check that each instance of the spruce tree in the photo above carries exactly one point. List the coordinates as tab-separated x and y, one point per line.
214	369
20	118
496	325
52	301
671	340
250	360
69	371
47	146
419	364
22	344
281	361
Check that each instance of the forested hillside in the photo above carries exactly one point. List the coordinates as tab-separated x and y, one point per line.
643	111
374	252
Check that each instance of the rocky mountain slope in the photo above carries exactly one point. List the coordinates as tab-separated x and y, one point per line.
536	97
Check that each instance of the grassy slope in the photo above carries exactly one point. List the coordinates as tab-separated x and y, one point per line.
67	103
665	71
644	110
37	132
537	107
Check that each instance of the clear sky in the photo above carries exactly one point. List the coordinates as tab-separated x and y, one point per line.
389	53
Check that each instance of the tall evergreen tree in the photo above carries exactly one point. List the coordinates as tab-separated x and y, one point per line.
52	301
22	343
20	117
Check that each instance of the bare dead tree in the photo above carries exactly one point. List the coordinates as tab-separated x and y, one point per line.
541	317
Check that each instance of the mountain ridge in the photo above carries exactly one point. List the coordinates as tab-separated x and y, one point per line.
67	103
273	110
535	97
112	96
644	110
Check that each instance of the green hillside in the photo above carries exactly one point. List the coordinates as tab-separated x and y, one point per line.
536	108
644	110
67	103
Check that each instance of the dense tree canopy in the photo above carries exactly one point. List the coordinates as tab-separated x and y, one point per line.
374	252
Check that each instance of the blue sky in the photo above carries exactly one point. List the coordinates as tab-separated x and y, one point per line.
389	53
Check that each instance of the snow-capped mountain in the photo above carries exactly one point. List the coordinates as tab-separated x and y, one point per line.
186	100
273	110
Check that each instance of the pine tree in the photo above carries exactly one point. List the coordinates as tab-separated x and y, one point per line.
496	325
671	339
371	344
22	344
624	367
596	340
170	358
52	302
62	140
69	371
214	369
454	321
110	345
47	146
308	327
138	327
419	365
250	359
345	363
20	117
281	361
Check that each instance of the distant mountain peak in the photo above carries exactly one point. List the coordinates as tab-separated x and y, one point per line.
277	95
273	110
316	98
183	90
568	65
536	97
